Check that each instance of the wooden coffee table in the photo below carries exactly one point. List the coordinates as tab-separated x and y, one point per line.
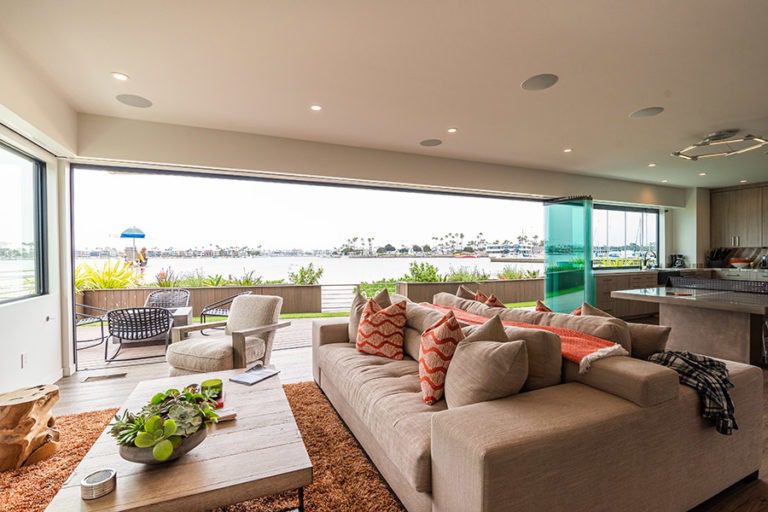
258	454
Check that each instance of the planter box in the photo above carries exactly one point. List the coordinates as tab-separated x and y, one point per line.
296	298
507	290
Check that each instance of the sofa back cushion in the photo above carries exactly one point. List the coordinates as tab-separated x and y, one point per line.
356	311
485	370
545	360
611	329
646	339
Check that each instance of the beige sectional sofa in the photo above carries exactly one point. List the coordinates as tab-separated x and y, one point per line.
624	436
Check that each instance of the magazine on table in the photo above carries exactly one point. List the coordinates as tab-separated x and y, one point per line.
254	375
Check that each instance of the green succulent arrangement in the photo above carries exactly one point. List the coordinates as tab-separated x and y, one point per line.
162	424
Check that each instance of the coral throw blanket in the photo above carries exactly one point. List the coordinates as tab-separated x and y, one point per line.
576	346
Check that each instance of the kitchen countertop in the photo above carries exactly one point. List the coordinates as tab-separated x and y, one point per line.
752	303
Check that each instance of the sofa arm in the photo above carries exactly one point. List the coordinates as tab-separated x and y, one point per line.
329	330
528	452
642	382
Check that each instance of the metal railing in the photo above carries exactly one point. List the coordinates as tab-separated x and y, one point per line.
337	297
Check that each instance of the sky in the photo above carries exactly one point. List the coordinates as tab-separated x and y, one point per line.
188	212
16	199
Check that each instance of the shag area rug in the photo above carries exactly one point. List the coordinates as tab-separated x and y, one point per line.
344	479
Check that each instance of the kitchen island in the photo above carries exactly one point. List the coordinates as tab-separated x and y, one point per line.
724	324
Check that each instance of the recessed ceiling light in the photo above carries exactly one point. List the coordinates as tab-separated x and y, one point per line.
316	108
702	174
431	142
119	76
646	112
567	150
452	130
540	82
664	181
651	165
132	100
742	181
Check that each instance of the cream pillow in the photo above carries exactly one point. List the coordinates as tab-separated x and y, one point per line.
465	293
381	298
491	330
485	370
646	339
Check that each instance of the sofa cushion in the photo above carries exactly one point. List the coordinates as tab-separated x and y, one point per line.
386	396
469	305
356	311
611	329
417	319
646	339
485	370
465	293
381	330
211	353
438	344
492	330
545	360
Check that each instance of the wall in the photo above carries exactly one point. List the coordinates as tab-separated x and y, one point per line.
33	326
30	106
130	141
689	227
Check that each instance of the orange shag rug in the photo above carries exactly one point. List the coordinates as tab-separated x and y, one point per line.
343	476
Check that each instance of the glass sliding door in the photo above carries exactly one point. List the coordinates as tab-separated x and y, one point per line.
568	253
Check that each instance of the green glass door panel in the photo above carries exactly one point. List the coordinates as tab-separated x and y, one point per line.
568	253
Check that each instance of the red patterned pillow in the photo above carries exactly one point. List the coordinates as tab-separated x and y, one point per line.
438	343
491	301
381	331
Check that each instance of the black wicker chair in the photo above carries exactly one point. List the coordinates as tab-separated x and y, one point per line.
170	298
86	315
132	325
220	308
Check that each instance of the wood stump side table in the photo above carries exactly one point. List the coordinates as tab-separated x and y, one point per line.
27	435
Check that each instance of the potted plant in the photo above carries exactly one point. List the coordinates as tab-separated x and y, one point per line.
170	425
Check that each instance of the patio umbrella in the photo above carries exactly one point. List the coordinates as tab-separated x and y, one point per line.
134	233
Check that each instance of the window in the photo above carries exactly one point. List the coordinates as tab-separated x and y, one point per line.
22	230
621	236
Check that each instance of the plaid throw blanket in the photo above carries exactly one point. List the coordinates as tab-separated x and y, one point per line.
710	379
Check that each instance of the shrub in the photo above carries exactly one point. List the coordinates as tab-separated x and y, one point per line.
306	275
466	274
167	278
117	274
247	279
422	273
372	288
512	272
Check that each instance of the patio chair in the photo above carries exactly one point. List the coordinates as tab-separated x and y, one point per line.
219	308
169	298
136	325
246	340
86	315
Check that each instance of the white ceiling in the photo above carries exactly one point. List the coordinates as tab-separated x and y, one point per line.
391	73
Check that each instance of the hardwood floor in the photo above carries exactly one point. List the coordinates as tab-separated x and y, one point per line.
295	365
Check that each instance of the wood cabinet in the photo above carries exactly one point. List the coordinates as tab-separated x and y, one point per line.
736	217
765	216
607	283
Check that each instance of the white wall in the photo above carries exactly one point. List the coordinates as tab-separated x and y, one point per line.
34	326
123	140
32	107
689	227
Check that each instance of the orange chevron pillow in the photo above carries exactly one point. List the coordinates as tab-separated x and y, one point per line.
438	343
382	330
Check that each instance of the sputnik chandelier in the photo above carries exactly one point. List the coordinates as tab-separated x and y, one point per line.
724	140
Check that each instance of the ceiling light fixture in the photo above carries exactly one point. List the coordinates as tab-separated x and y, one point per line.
736	146
540	82
567	150
430	142
452	130
646	112
664	181
133	100
702	174
651	165
742	181
316	108
119	76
